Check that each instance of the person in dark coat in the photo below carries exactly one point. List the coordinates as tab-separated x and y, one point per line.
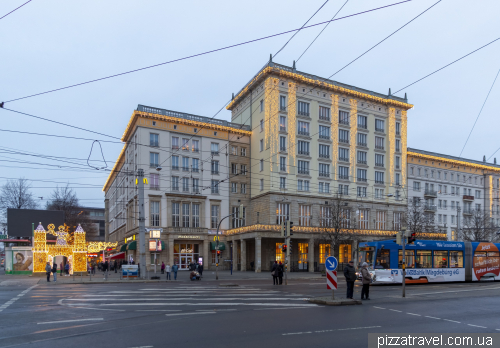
366	279
280	273
48	270
54	271
200	269
274	272
350	278
162	267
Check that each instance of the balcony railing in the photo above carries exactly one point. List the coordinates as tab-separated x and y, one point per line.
345	141
282	168
185	169
430	193
196	150
324	174
214	172
215	153
381	130
282	149
303	171
175	188
362	126
324	155
344	121
344	159
467	198
185	189
380	147
303	152
324	118
175	147
361	162
467	212
282	129
430	207
343	177
153	165
377	181
303	113
379	164
303	132
282	107
360	143
362	179
175	167
324	136
154	144
195	170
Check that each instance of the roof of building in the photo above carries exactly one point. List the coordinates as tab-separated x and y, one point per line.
452	159
335	86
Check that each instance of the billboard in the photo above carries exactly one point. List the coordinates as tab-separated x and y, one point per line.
19	220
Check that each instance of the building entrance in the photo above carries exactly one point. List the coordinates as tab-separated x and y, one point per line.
185	254
303	251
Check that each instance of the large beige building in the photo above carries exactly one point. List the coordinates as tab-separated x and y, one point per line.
311	140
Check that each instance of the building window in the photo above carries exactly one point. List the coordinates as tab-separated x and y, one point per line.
185	164
243	151
175	183
326	216
175	215
175	143
343	154
363	216
303	167
282	212
345	253
154	181
324	113
282	164
362	139
379	160
185	184
279	254
324	132
261	125
398	145
302	185
185	215
234	187
303	108
379	177
196	215
153	140
343	117
234	150
343	190
195	165
155	214
261	164
215	186
243	188
324	187
214	148
343	136
283	144
362	122
283	123
243	169
303	147
343	173
175	163
324	170
398	128
379	143
324	252
324	151
303	128
380	221
282	103
196	145
185	144
235	221
261	145
362	175
416	186
261	184
398	162
398	179
154	159
196	185
361	191
397	221
362	157
304	215
214	216
261	105
282	183
215	167
379	193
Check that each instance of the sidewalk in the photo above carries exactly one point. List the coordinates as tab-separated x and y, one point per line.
182	276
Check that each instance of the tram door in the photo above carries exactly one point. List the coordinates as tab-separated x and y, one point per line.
303	251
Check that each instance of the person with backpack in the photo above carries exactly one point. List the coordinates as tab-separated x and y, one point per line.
48	270
175	268
350	278
54	271
366	279
274	273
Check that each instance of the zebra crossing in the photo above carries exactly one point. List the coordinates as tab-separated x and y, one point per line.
188	298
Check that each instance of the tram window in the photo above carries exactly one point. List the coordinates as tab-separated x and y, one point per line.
383	259
493	254
410	259
456	259
424	259
440	259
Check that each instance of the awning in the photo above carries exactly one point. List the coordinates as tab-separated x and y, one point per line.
132	245
213	246
162	245
118	256
124	247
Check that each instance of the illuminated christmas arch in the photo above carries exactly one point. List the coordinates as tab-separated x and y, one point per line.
76	252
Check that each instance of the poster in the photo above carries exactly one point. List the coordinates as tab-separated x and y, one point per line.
486	261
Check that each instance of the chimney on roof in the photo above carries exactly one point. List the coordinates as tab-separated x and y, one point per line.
406	98
232	97
271	60
495	160
484	159
293	67
389	92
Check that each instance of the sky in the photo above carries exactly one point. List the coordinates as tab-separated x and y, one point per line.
55	43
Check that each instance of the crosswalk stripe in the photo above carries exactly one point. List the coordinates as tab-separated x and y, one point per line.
193	298
209	304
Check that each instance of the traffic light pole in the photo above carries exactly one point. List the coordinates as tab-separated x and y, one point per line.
217	246
403	232
142	224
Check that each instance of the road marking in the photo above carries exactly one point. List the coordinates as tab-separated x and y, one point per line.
266	309
142	347
322	331
418	315
215	310
483	327
453	321
193	313
210	304
69	321
11	301
395	310
444	292
192	298
432	317
159	310
379	307
100	309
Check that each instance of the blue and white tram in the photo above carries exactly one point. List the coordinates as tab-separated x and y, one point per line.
431	261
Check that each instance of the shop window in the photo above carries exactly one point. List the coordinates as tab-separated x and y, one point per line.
280	256
324	252
344	253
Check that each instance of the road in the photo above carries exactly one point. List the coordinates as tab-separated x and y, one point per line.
252	314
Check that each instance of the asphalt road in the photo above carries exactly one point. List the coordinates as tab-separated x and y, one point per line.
253	314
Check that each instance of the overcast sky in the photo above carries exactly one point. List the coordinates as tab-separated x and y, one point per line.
48	44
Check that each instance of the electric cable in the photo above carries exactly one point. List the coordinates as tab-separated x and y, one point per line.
17	8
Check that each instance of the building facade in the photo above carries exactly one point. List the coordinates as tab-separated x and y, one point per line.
97	218
452	188
313	139
186	160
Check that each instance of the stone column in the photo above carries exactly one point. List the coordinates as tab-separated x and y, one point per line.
354	252
310	255
258	256
206	258
170	250
235	254
243	254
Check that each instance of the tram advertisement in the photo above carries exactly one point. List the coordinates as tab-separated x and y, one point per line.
486	261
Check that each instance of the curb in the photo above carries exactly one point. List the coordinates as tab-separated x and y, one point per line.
342	302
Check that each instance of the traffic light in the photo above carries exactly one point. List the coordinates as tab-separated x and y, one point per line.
218	253
289	228
283	248
282	229
412	238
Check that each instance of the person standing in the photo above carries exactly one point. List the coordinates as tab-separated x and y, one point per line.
175	268
274	273
366	279
167	269
200	269
66	269
54	271
280	273
162	267
115	266
48	270
350	278
61	268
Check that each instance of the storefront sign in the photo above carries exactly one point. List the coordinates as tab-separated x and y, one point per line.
188	237
154	233
155	245
129	239
215	231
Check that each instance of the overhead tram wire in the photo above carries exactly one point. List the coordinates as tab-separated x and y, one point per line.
480	111
204	53
326	25
17	8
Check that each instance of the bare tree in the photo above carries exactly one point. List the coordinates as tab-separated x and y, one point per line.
478	227
16	194
338	221
65	199
417	220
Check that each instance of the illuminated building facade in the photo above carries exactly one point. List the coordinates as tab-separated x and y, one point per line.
451	188
312	139
186	160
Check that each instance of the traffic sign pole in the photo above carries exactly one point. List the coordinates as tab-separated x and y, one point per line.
331	274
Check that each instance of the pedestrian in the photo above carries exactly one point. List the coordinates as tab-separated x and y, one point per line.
106	265
48	270
366	279
350	278
175	268
115	265
139	269
66	269
274	273
162	267
280	273
54	271
167	269
61	268
200	269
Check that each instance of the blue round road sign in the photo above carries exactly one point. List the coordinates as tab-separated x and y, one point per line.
331	263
